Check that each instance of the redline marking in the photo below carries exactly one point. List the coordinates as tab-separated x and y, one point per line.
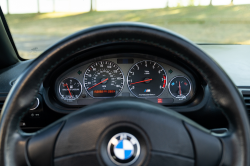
164	83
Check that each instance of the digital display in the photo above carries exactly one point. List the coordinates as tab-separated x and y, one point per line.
125	61
104	93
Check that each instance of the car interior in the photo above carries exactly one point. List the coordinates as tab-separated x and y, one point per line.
124	93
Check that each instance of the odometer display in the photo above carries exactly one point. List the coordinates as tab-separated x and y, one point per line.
103	79
106	93
147	79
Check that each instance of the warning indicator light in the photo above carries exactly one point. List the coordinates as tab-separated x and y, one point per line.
159	100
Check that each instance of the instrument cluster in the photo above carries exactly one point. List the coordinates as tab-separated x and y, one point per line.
157	81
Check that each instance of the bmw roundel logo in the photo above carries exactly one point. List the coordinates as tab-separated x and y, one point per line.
123	149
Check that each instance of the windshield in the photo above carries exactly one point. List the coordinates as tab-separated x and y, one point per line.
37	24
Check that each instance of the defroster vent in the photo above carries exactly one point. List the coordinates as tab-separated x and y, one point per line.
246	96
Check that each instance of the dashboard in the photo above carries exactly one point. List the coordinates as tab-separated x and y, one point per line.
197	105
129	75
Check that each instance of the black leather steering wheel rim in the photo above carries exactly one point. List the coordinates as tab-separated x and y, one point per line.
236	143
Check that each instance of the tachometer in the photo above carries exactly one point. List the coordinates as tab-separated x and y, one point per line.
70	89
103	79
147	79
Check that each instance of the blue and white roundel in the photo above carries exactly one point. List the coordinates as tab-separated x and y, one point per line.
124	150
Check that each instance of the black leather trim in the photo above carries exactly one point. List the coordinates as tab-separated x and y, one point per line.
86	159
41	146
164	159
160	125
208	149
223	90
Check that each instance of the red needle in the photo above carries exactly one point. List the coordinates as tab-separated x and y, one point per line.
180	88
98	83
68	89
141	81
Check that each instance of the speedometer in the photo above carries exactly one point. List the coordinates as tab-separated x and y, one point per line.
147	79
103	79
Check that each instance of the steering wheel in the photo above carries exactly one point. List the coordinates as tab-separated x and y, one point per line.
124	131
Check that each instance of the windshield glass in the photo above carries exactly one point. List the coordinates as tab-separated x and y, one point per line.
37	24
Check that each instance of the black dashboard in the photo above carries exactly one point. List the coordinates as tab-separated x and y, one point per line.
197	105
124	76
130	75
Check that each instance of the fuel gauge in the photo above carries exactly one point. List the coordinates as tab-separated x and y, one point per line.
70	89
179	87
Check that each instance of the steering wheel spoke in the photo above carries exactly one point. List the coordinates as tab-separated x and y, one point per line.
18	155
40	147
208	148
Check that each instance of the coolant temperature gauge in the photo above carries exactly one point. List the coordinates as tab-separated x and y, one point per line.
179	87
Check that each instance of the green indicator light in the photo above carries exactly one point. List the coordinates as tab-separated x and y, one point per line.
170	71
79	72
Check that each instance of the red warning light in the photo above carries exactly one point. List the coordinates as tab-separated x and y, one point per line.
159	100
185	83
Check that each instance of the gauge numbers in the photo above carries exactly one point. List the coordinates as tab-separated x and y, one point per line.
147	79
70	89
103	79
